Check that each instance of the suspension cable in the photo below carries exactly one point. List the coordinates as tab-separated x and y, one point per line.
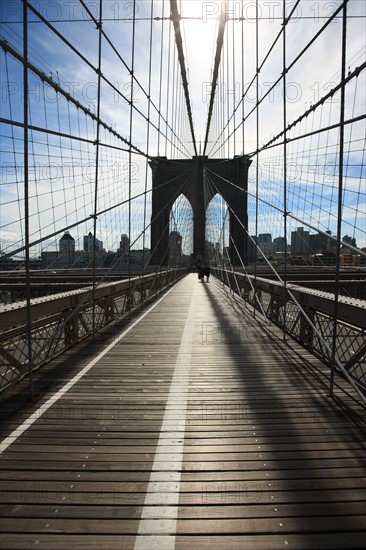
219	43
178	39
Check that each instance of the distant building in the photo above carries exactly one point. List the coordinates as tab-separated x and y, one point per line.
349	240
175	247
49	259
317	243
124	245
330	244
265	243
264	238
81	259
279	244
300	242
88	243
65	257
67	251
209	251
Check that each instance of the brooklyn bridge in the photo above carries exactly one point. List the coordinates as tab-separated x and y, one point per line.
145	405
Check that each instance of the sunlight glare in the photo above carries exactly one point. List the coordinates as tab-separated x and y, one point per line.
199	38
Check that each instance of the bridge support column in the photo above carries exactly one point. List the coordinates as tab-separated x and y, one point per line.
161	205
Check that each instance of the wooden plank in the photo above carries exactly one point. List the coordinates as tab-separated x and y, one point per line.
206	487
201	476
70	439
243	496
62	541
215	526
264	445
339	541
187	512
231	449
203	466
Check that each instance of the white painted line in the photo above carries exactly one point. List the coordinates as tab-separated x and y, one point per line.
158	523
39	412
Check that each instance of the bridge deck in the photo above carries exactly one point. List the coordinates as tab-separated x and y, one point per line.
197	428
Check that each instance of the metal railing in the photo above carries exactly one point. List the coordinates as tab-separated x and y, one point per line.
60	321
307	315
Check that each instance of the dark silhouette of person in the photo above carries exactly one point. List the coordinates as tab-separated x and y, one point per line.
206	272
201	273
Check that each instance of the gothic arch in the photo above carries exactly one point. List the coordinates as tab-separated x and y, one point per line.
217	228
181	222
186	177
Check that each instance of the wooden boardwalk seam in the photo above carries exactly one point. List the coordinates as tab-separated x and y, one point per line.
199	428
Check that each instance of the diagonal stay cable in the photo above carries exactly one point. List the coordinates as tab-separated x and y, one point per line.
132	73
289	214
178	40
301	308
44	78
278	80
95	69
90	217
354	74
293	10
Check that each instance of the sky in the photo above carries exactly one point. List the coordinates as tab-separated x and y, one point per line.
62	170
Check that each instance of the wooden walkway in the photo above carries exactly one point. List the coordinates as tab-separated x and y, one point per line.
193	428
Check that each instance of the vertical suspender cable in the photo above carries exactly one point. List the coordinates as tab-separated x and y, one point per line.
234	90
176	116
242	85
284	80
171	102
243	116
227	95
234	93
26	197
130	150
147	144
99	27
167	91
160	77
221	91
220	103
257	144
340	193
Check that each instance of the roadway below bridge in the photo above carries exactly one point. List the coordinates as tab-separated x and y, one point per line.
190	425
44	283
